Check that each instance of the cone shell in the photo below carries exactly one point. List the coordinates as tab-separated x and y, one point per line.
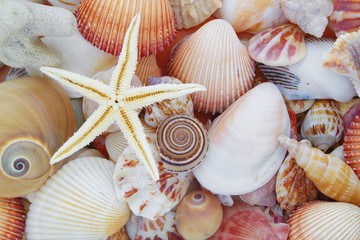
36	119
12	218
330	174
147	67
189	13
82	194
325	221
201	59
277	46
352	145
104	22
323	124
345	17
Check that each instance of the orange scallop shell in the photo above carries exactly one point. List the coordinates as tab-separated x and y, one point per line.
352	145
12	218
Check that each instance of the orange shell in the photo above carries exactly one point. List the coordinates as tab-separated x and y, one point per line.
352	146
12	218
146	68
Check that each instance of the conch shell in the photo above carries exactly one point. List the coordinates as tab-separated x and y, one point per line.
36	119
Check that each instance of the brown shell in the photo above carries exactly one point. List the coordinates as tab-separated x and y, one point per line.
352	145
12	218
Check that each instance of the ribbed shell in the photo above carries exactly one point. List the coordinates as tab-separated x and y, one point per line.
16	73
345	17
147	67
78	202
325	221
12	218
352	145
214	57
104	22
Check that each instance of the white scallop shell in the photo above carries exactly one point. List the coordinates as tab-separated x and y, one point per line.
78	202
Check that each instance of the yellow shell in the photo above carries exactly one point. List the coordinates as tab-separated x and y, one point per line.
36	119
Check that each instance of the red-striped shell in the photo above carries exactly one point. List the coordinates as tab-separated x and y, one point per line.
277	46
12	218
104	23
352	145
346	16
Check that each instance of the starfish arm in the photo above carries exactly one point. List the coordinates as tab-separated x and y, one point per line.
141	97
97	123
91	88
125	69
133	131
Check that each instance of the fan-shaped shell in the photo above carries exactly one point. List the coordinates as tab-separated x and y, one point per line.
309	79
78	202
12	218
325	221
323	124
277	46
352	145
16	73
189	13
345	17
227	168
36	119
214	57
147	67
104	22
345	106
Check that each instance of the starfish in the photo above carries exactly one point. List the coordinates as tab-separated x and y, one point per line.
118	102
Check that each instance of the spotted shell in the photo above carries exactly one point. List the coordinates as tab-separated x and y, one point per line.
352	145
345	17
12	218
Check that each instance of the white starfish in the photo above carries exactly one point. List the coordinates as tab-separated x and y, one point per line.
117	102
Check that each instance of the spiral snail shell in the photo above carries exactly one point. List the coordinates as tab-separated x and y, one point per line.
182	141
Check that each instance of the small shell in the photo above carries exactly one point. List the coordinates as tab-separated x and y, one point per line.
325	221
323	124
201	59
119	235
147	67
104	22
309	79
277	46
352	145
157	112
80	193
345	106
300	106
345	17
309	15
261	195
198	215
189	13
16	73
12	218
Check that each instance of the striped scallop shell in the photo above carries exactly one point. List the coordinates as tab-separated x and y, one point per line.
352	145
104	22
78	202
325	221
345	17
147	67
214	57
189	13
12	218
277	46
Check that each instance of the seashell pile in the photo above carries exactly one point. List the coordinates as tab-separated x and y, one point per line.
179	119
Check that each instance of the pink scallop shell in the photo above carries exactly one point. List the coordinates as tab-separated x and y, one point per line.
345	16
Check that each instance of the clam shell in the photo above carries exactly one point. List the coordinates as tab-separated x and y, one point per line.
12	218
277	46
104	22
78	202
226	168
147	67
323	124
201	59
352	145
189	13
309	79
325	221
345	17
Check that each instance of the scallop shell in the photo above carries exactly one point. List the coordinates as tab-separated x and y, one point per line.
352	145
309	15
226	168
293	187
189	13
135	186
345	17
251	15
36	119
325	221
200	59
323	124
12	218
308	79
147	67
330	174
159	111
198	215
104	22
277	46
78	202
300	106
70	5
16	73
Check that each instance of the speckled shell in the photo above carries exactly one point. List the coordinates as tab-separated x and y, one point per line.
300	106
200	59
147	67
12	218
345	17
80	193
331	175
104	22
352	145
189	13
159	111
134	185
278	46
325	221
323	124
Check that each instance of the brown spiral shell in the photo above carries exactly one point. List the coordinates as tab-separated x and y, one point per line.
182	141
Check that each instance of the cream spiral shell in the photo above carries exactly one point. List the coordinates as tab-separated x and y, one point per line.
182	141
